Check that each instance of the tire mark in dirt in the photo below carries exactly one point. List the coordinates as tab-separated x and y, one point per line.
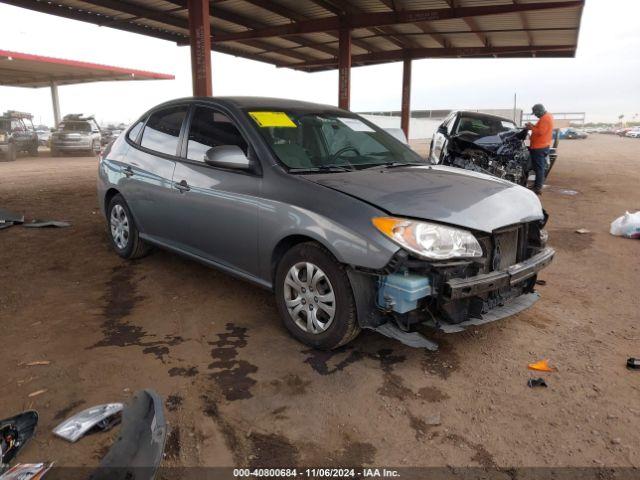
432	394
173	446
356	454
183	372
119	300
232	374
319	360
481	454
443	362
272	451
173	402
291	385
393	385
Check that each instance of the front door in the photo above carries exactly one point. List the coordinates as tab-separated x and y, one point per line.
216	209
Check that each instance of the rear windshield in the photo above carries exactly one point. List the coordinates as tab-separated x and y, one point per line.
303	139
482	126
75	127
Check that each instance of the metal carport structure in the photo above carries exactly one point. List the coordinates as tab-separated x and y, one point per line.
34	71
315	35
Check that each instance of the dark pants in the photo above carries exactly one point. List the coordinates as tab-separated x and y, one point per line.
539	161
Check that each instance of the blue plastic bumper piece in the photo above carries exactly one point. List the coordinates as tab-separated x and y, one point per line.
400	293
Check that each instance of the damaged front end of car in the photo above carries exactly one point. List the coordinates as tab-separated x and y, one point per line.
452	294
504	155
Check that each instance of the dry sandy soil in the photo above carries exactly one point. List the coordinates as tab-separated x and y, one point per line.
240	391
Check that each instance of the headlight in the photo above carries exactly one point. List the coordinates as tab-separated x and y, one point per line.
3	137
544	237
429	240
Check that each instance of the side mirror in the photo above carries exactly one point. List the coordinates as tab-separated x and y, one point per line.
227	156
442	129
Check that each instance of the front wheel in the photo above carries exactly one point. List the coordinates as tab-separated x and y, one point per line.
123	232
314	297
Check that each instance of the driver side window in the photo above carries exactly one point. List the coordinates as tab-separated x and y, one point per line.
210	128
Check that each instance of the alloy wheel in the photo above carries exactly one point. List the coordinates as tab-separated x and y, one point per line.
119	223
309	297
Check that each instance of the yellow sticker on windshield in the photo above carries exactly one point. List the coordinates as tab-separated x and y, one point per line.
272	119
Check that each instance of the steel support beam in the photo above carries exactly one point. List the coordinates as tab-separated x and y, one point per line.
344	68
405	112
55	100
200	44
418	53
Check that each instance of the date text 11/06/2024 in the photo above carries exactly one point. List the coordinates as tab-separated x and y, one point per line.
317	472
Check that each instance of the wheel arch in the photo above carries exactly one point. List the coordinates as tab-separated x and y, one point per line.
290	241
109	194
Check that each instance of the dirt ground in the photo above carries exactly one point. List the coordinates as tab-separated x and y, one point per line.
239	391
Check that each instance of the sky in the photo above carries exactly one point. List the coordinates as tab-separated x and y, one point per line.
603	80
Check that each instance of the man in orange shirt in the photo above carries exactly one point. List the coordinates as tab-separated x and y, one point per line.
541	136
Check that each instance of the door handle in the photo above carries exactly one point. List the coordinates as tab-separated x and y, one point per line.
128	171
183	186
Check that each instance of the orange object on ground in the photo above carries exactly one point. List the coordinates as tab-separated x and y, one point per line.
541	366
542	132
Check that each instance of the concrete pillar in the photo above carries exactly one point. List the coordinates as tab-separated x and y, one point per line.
344	68
405	116
55	100
200	40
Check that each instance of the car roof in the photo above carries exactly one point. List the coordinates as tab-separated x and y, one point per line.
259	103
469	113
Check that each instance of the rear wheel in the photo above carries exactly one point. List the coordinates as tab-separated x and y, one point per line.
123	232
314	297
33	151
11	154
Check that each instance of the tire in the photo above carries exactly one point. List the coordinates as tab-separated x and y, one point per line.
33	151
11	154
332	282
54	152
123	234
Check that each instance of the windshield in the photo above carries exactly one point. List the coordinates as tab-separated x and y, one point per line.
75	127
482	126
308	141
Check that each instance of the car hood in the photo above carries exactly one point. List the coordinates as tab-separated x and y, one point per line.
441	194
491	143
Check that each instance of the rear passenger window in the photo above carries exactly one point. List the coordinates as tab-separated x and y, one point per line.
135	131
211	129
162	131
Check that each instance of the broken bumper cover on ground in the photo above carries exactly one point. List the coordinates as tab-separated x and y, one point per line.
458	288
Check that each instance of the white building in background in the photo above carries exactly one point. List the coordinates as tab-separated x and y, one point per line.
424	122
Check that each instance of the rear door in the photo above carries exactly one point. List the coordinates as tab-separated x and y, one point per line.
148	168
216	212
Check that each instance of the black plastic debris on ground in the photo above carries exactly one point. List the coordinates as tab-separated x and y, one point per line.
536	382
633	363
47	224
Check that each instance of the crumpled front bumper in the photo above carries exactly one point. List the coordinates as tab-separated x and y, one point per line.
458	288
